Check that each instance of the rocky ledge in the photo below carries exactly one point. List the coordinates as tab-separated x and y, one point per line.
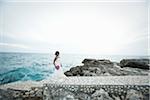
96	92
103	67
80	88
35	93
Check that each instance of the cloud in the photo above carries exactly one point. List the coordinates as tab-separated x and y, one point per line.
89	28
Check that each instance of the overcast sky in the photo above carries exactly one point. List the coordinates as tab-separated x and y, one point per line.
90	27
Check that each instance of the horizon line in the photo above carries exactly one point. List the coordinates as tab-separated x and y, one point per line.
72	53
79	1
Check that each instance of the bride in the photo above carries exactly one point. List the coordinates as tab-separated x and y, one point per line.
58	73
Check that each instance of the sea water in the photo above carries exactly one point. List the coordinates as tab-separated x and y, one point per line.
38	66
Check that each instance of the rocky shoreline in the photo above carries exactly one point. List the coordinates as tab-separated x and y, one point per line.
80	92
103	67
81	88
96	92
35	93
49	90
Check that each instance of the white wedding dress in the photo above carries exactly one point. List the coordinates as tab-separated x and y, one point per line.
58	74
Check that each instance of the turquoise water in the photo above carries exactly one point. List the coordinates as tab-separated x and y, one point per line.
36	67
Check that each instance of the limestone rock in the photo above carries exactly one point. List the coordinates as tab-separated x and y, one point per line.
134	95
135	63
101	95
103	67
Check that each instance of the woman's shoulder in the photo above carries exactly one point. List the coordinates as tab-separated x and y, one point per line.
56	58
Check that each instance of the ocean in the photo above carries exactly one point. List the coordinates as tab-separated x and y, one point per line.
38	66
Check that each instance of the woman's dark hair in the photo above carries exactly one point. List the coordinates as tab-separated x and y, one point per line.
57	53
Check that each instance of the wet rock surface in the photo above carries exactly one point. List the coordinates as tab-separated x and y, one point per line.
103	67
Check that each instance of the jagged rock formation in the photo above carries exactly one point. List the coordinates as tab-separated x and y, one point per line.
93	67
83	88
12	94
97	92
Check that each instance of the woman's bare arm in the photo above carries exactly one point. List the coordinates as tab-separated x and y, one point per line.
54	60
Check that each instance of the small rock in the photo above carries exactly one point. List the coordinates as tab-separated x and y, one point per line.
134	95
101	95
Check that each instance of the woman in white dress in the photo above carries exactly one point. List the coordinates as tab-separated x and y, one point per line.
58	66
